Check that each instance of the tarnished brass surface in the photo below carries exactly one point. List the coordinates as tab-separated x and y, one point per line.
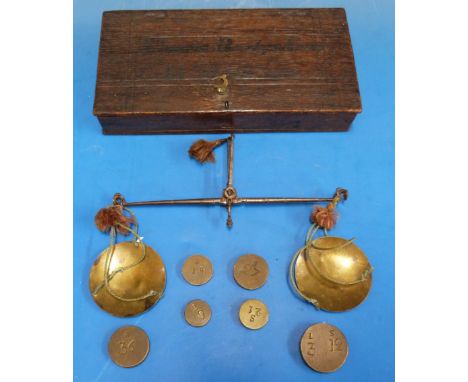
337	279
324	348
222	87
128	346
197	270
149	275
197	313
250	271
253	314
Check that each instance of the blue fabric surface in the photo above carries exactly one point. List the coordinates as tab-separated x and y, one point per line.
293	164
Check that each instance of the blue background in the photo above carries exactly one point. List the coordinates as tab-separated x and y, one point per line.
297	164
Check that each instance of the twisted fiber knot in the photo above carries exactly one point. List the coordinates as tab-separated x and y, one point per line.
113	217
202	150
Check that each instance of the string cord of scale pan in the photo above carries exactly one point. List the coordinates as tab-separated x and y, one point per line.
309	243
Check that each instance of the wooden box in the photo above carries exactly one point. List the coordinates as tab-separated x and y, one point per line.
219	71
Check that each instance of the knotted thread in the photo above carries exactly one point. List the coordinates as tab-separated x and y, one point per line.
113	225
326	217
113	217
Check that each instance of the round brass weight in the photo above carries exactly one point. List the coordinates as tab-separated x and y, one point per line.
128	346
147	276
197	270
253	314
324	347
197	313
334	273
250	271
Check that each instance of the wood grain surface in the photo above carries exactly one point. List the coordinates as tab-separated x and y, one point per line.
288	70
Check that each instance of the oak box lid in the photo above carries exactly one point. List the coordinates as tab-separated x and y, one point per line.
218	70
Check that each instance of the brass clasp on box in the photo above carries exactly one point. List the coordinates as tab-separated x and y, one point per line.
223	83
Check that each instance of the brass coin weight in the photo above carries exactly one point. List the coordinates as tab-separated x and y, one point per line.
128	277
197	313
197	270
324	348
250	271
253	314
128	346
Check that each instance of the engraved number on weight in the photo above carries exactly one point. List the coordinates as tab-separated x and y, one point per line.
199	311
127	345
250	269
198	268
311	345
253	314
336	344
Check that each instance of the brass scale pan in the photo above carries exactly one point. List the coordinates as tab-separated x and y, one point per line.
140	279
332	273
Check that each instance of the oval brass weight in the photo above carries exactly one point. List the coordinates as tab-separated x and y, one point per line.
197	270
324	348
